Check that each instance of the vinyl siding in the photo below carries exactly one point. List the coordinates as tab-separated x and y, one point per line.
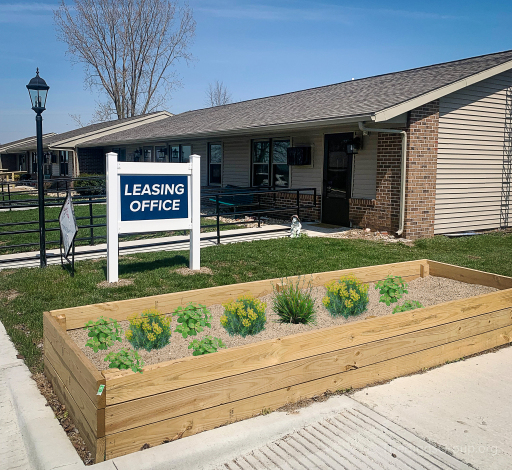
309	176
470	160
364	180
236	160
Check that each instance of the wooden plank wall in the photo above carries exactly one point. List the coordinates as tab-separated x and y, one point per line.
178	398
75	381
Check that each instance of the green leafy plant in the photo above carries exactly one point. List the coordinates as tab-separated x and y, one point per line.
407	305
244	316
391	289
206	345
346	297
150	330
192	319
103	333
294	303
90	184
125	359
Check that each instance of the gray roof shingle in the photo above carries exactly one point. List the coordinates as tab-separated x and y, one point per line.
352	98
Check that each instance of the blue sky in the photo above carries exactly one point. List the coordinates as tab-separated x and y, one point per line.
257	48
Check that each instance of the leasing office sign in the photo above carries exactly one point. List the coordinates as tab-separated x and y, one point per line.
151	197
154	197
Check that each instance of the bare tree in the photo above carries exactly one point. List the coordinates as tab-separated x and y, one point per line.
217	94
128	49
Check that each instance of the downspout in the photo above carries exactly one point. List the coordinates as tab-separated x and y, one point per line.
403	170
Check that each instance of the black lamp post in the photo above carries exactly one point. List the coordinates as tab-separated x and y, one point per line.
38	89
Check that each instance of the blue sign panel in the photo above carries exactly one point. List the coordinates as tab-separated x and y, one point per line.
154	197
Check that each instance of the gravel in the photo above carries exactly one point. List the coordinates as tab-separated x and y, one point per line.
429	291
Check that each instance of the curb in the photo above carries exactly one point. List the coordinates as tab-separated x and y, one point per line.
42	434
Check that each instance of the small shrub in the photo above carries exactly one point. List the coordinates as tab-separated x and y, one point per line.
391	289
294	303
206	345
407	305
346	297
149	331
103	333
244	316
192	319
90	184
125	359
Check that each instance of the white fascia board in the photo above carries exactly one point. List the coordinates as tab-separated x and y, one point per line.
241	131
75	141
27	141
391	112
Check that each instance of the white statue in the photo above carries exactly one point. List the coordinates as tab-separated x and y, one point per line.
295	228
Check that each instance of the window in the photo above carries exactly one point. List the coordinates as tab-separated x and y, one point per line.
64	162
148	154
269	163
180	153
121	154
214	164
161	153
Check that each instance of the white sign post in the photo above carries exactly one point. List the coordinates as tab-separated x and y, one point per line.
152	197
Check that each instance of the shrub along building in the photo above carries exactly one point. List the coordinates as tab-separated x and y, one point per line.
419	152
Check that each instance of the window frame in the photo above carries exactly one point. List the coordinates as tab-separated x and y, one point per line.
158	148
180	147
209	163
121	151
270	163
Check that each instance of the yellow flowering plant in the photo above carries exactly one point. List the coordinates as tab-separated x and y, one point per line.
244	316
346	297
150	330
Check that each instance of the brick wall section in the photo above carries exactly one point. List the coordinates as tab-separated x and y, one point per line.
382	213
308	212
420	195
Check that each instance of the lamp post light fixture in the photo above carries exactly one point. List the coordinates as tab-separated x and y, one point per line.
38	90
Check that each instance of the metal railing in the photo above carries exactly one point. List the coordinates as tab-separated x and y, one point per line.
227	207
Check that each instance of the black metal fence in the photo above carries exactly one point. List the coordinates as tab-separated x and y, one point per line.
221	209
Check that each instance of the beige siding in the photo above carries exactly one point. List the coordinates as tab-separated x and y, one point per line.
364	181
236	161
470	161
309	176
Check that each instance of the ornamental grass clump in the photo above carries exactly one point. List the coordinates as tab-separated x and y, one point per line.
294	303
346	297
244	316
149	331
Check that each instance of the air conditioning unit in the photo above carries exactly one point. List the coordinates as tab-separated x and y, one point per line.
299	156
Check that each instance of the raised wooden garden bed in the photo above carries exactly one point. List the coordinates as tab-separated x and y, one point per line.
178	398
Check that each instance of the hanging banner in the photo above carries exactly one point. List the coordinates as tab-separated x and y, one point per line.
152	197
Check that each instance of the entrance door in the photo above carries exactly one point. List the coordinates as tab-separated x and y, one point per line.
337	179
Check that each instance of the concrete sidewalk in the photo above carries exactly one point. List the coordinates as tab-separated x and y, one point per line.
177	243
464	407
30	436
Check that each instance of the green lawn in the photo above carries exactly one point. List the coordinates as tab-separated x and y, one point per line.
52	213
154	273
